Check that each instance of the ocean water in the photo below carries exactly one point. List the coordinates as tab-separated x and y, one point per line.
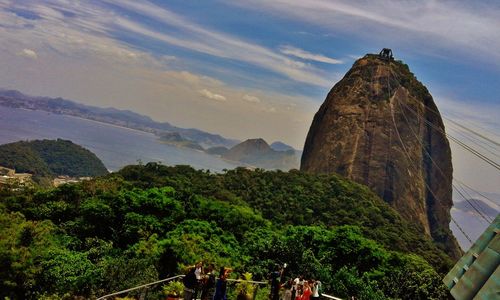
115	146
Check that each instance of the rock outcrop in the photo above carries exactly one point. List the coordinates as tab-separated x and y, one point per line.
379	126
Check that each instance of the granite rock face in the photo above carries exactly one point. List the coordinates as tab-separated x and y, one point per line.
379	126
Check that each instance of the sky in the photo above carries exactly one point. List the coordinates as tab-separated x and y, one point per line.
253	68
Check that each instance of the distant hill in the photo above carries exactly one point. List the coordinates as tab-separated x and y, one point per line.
221	150
175	139
49	158
258	153
481	205
470	220
280	146
125	118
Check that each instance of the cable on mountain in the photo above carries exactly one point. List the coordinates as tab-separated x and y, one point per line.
482	214
462	230
437	113
492	201
463	145
412	163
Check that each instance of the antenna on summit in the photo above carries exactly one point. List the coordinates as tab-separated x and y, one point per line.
386	54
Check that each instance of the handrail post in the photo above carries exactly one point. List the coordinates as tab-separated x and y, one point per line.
255	291
144	292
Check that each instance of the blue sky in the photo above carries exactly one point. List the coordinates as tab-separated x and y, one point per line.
252	68
297	48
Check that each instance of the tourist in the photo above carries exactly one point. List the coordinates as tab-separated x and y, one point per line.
288	290
275	283
298	293
190	284
295	286
221	286
316	290
208	283
306	292
198	272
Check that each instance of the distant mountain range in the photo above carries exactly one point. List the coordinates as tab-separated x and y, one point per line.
251	153
125	118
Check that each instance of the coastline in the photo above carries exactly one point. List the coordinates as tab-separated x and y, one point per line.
82	118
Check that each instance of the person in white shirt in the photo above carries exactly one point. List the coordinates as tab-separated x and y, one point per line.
197	272
295	287
316	290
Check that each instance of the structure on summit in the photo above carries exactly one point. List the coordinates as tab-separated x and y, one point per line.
386	54
379	126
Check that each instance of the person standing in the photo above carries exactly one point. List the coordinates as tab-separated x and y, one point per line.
209	283
295	286
288	290
316	290
198	271
275	284
221	286
190	284
298	294
306	292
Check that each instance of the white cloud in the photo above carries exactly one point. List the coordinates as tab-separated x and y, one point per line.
251	98
428	25
28	53
199	38
210	95
289	50
81	51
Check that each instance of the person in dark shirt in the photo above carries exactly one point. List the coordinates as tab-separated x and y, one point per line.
190	284
275	283
208	283
221	286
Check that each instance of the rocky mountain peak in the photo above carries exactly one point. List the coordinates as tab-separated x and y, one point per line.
248	147
379	126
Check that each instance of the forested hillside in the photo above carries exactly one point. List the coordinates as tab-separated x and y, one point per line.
148	222
47	158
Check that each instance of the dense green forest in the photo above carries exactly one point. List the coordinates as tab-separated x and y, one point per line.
150	221
48	158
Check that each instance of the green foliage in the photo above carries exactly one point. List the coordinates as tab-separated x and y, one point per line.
173	288
193	241
24	245
244	287
349	282
149	222
47	158
69	271
23	159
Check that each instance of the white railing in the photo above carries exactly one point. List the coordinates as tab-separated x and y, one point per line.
140	287
330	297
181	276
250	281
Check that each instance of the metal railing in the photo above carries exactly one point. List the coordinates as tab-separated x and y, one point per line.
147	286
330	297
144	286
